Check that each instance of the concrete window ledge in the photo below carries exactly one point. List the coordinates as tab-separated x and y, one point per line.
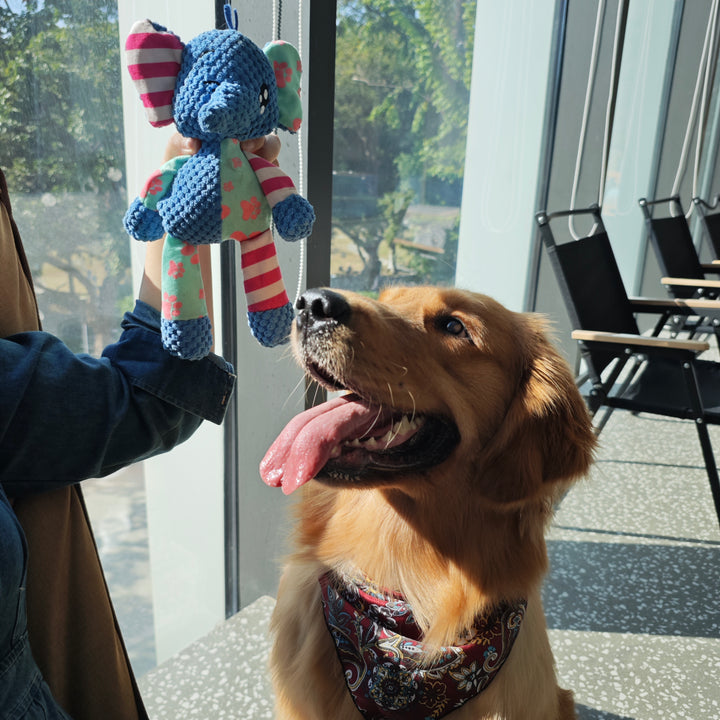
222	675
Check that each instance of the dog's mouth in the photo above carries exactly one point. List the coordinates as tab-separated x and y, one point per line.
350	441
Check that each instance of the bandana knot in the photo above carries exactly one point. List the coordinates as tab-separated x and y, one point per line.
384	659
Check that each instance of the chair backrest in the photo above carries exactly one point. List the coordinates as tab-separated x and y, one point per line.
589	280
673	243
711	225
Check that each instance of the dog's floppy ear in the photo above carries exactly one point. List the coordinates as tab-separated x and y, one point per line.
546	436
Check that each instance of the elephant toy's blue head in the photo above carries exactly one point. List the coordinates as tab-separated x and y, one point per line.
219	85
226	88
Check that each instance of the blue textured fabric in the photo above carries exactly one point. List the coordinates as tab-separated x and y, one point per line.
67	417
189	339
142	225
271	327
240	74
294	218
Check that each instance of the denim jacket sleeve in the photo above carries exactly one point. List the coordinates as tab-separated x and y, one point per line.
67	417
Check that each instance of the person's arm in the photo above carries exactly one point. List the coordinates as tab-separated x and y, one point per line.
67	417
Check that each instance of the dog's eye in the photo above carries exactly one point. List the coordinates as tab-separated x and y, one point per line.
453	326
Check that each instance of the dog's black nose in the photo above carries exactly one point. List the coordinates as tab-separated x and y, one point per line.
319	305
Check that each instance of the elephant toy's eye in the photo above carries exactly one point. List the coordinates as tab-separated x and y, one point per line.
264	97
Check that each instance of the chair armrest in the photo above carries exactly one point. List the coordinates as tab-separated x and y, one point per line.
691	282
680	306
711	267
640	341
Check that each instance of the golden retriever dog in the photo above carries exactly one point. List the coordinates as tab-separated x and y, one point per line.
413	590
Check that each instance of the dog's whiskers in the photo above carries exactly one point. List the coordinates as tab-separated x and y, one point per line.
374	422
412	397
293	392
317	390
402	367
287	352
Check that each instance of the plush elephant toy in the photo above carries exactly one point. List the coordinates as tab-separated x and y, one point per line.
222	89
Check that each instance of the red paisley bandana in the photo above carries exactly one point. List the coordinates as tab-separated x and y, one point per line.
381	650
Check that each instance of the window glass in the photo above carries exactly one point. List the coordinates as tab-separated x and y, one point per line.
62	150
403	71
61	147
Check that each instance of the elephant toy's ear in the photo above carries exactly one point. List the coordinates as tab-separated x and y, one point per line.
154	56
286	63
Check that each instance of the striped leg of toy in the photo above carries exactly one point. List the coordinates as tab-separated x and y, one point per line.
270	313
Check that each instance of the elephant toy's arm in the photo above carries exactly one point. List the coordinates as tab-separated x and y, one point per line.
270	313
185	326
294	217
292	214
142	219
192	213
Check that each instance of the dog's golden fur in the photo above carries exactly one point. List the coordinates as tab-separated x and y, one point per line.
460	536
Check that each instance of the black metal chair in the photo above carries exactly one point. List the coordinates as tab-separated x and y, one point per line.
684	276
711	225
625	369
683	273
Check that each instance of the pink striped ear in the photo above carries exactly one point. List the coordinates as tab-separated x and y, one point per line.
153	57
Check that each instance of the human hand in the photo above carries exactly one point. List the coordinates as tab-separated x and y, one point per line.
267	147
180	145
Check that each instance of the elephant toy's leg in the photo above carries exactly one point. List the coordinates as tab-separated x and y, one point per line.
185	326
270	313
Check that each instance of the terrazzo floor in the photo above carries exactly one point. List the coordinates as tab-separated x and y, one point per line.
633	595
632	598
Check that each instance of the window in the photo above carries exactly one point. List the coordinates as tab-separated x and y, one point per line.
402	90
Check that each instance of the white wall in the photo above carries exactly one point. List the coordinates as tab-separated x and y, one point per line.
185	487
507	105
635	131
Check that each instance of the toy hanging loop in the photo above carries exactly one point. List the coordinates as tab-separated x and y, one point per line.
231	17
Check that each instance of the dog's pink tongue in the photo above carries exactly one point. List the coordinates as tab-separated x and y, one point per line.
305	445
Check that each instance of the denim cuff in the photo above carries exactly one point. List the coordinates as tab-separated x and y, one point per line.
201	387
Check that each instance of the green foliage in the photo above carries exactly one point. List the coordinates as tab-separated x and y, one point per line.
403	85
60	106
403	70
62	151
369	233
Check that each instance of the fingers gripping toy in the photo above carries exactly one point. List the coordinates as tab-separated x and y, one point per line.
222	89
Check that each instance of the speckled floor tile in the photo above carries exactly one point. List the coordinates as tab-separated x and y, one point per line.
633	594
643	677
222	676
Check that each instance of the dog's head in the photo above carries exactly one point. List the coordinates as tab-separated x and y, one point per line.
439	380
